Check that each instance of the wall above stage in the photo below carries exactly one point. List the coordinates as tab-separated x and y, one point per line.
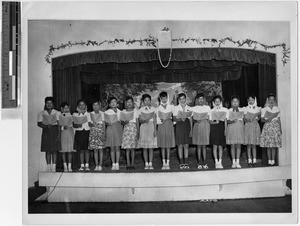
44	33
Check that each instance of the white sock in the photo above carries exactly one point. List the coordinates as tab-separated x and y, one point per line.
150	163
70	165
86	165
250	160
54	166
82	165
49	167
254	160
269	162
220	161
164	162
147	163
65	165
272	162
237	161
168	161
233	161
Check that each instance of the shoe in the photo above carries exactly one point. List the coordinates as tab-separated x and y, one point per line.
181	166
70	169
87	168
81	168
99	168
238	166
163	167
96	168
167	167
233	165
186	166
221	166
65	169
117	166
146	167
132	167
217	165
253	164
113	166
199	166
150	167
205	166
128	167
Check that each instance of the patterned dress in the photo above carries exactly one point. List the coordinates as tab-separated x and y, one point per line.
146	139
97	137
130	135
271	135
252	129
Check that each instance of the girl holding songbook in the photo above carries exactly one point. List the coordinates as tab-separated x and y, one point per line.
97	134
114	131
67	136
183	129
82	131
148	138
235	130
218	124
165	134
129	118
271	132
201	128
252	128
47	120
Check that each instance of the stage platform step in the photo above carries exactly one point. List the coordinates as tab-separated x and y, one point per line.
166	186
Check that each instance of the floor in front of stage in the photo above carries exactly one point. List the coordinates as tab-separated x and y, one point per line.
260	205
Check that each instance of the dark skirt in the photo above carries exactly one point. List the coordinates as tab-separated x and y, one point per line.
81	140
182	132
217	136
165	135
50	143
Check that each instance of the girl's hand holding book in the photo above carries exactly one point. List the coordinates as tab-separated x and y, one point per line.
126	122
91	124
65	127
191	133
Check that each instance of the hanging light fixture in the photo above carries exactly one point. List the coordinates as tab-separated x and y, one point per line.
164	41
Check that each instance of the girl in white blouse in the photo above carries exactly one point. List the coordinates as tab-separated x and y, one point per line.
82	131
271	133
201	129
147	138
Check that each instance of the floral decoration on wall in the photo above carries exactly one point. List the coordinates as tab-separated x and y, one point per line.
151	41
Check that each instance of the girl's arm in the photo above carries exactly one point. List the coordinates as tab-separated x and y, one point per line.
191	124
154	124
225	122
41	125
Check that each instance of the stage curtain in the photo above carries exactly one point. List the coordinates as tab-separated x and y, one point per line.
178	55
67	86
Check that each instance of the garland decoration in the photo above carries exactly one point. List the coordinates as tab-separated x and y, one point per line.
151	41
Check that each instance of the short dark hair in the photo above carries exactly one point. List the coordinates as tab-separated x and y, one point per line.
144	96
272	95
163	94
50	99
235	97
96	101
128	98
251	95
63	104
217	97
81	100
199	95
110	99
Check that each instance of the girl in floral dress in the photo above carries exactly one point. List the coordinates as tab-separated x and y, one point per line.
130	132
97	134
252	128
271	133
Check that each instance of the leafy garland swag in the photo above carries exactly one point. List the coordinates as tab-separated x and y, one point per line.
151	41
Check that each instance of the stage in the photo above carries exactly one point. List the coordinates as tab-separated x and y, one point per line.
148	186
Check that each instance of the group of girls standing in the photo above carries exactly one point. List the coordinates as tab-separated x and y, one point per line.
164	127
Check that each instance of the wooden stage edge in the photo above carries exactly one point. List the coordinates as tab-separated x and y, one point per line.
166	186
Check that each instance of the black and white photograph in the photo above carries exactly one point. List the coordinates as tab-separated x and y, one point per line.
152	110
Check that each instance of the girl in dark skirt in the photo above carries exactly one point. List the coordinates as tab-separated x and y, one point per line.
82	131
114	132
165	135
47	120
183	129
218	129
